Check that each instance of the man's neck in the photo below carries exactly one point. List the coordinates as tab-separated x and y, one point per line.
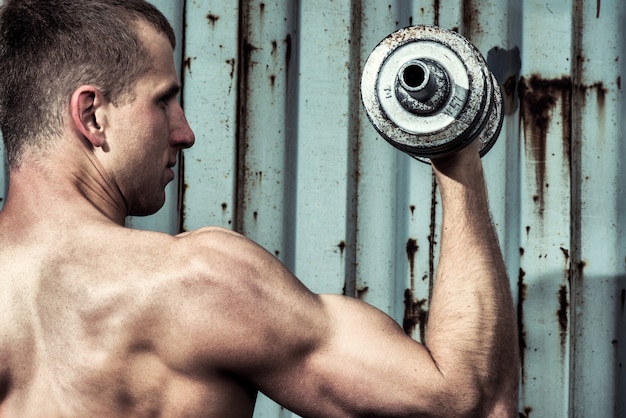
63	190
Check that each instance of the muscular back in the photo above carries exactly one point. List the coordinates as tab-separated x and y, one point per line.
101	320
82	319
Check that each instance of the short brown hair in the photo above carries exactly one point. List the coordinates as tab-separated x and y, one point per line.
48	48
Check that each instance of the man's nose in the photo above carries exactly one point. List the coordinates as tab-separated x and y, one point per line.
181	135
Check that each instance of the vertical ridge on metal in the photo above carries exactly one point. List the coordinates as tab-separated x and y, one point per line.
598	256
210	72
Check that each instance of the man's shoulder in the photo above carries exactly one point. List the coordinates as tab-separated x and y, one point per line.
213	244
207	258
187	247
209	235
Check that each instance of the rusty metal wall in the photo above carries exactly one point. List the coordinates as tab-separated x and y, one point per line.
284	153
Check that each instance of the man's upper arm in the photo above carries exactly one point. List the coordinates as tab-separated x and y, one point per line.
242	312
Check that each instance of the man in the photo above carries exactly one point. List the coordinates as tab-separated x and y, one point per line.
97	320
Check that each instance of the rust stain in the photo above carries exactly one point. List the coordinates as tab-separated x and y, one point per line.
436	7
287	42
224	206
231	62
432	243
601	94
262	8
361	291
411	250
563	313
538	98
509	90
414	315
212	19
522	290
342	247
471	23
412	209
526	412
182	189
619	82
187	64
598	4
248	50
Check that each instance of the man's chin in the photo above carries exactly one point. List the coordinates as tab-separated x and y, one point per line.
148	208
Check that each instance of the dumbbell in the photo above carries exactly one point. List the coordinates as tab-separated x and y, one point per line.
429	92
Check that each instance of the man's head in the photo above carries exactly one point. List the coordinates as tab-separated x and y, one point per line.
48	48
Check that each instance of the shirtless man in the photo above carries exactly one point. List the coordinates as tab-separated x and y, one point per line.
98	320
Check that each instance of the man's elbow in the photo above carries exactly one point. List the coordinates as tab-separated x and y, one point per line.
476	400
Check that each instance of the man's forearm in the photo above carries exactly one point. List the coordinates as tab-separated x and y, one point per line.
471	328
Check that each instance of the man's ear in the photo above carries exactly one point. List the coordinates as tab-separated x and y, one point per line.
86	102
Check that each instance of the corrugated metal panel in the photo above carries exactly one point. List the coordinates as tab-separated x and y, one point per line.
285	154
598	274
